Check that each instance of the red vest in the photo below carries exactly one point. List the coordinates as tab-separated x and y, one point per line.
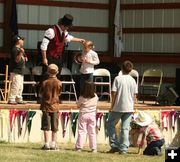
56	45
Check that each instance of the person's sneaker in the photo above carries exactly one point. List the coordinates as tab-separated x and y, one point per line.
21	102
45	147
12	102
78	149
122	152
158	151
94	151
54	148
113	150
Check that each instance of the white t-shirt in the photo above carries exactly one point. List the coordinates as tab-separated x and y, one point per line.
87	68
126	88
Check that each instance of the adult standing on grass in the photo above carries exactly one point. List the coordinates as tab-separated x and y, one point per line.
124	92
49	93
54	41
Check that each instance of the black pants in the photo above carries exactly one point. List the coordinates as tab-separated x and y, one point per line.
150	149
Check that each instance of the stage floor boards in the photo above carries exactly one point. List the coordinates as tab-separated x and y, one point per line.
102	106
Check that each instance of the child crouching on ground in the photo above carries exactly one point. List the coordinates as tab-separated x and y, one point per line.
49	92
150	131
87	116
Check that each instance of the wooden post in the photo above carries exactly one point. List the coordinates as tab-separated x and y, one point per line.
6	84
112	5
7	29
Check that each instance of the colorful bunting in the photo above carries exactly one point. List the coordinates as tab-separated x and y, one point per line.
99	116
178	118
74	117
29	117
22	116
65	117
12	115
165	120
173	119
59	114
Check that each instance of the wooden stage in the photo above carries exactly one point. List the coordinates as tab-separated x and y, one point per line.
102	106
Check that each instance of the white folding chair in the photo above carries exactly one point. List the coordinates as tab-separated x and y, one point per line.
68	82
105	81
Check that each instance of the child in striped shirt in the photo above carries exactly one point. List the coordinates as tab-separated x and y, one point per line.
150	132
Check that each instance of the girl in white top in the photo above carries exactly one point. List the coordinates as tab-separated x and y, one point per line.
89	59
87	116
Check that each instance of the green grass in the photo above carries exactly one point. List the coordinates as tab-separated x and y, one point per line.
30	152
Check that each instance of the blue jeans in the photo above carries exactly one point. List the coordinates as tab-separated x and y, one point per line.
123	143
150	149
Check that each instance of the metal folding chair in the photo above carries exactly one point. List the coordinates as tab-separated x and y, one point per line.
68	84
29	83
150	84
102	78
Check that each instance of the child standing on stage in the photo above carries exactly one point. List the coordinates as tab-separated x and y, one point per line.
87	116
17	66
49	92
89	59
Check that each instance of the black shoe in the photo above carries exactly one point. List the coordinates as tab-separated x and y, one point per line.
113	150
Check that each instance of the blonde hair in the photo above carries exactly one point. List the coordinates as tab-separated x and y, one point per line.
89	43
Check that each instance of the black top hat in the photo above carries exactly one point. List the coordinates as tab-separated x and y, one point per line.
66	20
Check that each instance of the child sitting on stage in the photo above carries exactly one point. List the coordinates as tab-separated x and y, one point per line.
150	131
49	92
87	116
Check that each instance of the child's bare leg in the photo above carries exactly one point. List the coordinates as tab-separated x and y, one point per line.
46	141
54	136
46	136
